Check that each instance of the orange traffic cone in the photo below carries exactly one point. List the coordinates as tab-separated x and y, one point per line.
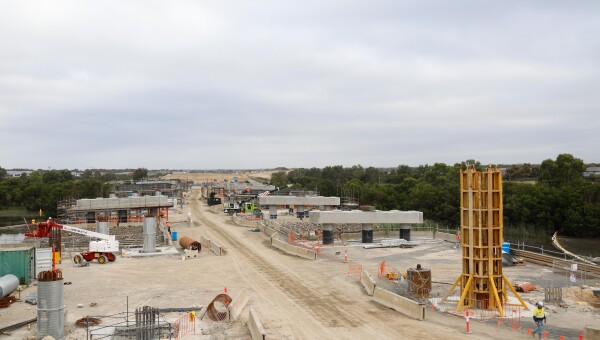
225	290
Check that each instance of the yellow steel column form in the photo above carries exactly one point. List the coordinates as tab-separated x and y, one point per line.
481	214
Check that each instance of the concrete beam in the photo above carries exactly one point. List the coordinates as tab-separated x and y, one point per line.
295	200
366	217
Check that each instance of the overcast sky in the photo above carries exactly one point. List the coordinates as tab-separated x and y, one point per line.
259	84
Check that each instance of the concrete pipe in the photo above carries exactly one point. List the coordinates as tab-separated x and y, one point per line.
8	284
190	244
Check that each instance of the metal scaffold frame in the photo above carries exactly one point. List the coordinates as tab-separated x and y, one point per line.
481	226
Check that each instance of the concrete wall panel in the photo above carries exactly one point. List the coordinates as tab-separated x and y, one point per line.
244	222
293	250
368	282
215	248
255	326
238	303
399	303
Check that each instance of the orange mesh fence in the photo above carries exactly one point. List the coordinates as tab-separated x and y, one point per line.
355	269
386	271
185	325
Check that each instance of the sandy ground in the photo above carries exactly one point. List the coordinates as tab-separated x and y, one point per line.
294	298
210	176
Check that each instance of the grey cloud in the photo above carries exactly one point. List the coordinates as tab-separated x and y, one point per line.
299	83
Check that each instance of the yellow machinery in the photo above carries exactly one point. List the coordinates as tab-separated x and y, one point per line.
482	284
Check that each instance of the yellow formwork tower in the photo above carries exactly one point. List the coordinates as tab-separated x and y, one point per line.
482	284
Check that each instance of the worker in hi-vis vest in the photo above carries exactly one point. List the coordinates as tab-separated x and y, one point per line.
539	317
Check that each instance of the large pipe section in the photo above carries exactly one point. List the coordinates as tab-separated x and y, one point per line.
50	304
149	234
8	284
190	244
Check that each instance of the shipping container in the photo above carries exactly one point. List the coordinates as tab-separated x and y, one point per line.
18	260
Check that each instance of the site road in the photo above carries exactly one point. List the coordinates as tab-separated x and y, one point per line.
303	299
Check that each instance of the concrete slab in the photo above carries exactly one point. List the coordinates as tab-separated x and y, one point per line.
366	217
137	252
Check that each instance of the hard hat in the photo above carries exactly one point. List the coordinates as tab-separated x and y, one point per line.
540	304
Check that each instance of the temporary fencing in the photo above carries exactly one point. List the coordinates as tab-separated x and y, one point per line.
386	271
185	325
355	269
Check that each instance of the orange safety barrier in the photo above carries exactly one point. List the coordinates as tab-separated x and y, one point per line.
355	269
185	325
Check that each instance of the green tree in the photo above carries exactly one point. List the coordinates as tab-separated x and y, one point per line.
279	179
566	170
140	174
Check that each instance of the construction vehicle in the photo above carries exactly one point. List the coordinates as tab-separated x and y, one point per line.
102	250
212	200
251	208
231	208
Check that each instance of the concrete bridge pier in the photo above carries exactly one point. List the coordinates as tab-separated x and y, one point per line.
367	233
405	231
273	212
327	233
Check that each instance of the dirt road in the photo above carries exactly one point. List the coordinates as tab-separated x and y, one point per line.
302	299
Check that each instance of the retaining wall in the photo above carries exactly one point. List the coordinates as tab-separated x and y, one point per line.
255	326
368	282
293	250
399	303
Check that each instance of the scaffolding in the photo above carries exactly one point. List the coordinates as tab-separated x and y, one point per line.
481	228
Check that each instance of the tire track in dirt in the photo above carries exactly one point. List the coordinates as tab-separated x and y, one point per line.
324	308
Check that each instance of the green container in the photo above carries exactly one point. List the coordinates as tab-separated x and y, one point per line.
17	261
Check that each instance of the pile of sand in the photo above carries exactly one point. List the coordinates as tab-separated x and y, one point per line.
581	295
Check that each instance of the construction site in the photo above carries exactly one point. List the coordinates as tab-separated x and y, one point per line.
226	262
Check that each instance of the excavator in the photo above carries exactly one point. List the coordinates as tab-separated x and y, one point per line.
102	251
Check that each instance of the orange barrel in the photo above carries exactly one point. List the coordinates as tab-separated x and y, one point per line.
188	243
419	281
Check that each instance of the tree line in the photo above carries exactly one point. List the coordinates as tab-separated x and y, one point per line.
44	189
554	197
